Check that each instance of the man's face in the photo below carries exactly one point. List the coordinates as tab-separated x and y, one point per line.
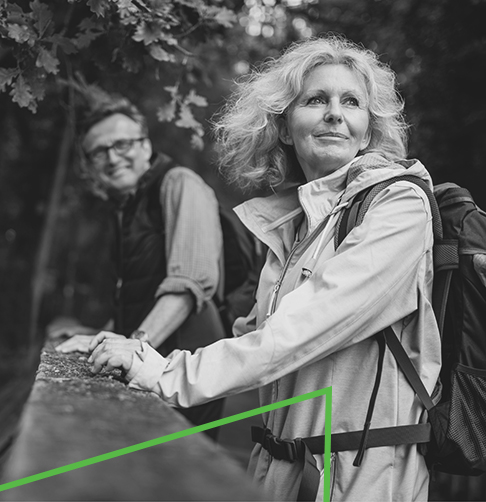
118	152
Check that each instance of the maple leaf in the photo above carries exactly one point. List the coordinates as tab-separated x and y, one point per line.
197	142
160	54
225	17
20	33
41	14
22	95
168	38
89	31
147	33
48	61
126	5
187	121
38	89
98	7
166	113
6	77
126	9
193	99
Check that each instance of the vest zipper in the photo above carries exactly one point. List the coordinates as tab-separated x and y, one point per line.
119	279
119	284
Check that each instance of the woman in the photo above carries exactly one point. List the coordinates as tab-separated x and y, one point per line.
327	116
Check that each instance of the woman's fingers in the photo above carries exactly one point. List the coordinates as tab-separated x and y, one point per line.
103	335
111	353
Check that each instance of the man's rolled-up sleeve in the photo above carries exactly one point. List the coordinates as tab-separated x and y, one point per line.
193	236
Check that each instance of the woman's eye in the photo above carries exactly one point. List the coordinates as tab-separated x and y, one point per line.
350	101
316	100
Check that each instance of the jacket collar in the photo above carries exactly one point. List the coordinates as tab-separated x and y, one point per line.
273	219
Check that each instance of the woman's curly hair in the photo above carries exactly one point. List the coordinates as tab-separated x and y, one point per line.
251	153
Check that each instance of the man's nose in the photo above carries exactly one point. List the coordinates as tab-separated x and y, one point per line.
112	156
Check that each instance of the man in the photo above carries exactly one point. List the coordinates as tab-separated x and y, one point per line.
168	242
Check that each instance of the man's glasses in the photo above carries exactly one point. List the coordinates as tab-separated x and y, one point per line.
121	147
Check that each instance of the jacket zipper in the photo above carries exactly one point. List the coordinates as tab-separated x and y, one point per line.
321	228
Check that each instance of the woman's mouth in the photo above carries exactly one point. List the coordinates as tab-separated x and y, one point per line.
331	135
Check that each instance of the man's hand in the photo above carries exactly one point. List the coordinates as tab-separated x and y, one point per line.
110	351
78	343
69	331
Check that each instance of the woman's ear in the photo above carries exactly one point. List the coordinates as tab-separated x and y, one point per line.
283	132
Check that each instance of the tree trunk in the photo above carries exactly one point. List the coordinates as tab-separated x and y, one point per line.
47	235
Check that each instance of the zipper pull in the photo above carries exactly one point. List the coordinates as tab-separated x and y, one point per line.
309	267
273	298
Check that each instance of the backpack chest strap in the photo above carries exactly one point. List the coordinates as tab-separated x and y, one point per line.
301	450
286	449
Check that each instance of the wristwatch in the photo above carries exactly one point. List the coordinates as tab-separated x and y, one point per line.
139	334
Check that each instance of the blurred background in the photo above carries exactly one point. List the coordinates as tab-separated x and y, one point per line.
177	61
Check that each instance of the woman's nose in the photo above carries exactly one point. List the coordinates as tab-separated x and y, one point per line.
333	112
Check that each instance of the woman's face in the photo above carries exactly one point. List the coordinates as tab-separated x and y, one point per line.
328	124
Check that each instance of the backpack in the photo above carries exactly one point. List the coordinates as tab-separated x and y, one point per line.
458	420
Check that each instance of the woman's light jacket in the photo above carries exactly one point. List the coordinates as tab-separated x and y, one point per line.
319	331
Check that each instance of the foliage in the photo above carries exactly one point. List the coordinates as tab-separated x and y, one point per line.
47	42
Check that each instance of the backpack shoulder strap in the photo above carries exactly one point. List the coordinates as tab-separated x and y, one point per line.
354	214
403	360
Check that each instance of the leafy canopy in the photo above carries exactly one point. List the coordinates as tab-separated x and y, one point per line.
44	43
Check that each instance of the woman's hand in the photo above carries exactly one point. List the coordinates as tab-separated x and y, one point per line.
110	351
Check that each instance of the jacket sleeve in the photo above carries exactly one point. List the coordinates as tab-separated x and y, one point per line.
369	284
193	237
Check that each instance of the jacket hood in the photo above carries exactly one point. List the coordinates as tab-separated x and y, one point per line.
267	216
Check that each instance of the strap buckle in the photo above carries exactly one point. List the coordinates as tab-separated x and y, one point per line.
281	449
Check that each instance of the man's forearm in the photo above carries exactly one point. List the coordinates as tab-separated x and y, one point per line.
170	311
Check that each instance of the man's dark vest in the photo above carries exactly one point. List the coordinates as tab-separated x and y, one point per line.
140	262
140	250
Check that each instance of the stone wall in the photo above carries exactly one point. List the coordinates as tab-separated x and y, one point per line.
72	415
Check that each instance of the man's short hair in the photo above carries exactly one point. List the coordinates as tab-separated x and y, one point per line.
109	108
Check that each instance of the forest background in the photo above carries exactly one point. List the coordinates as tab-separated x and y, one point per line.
178	60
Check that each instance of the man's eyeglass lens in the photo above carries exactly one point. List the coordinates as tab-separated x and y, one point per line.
121	147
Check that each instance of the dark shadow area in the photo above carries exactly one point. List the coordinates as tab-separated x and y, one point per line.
19	345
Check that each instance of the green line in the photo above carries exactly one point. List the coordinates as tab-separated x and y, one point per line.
327	446
189	432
